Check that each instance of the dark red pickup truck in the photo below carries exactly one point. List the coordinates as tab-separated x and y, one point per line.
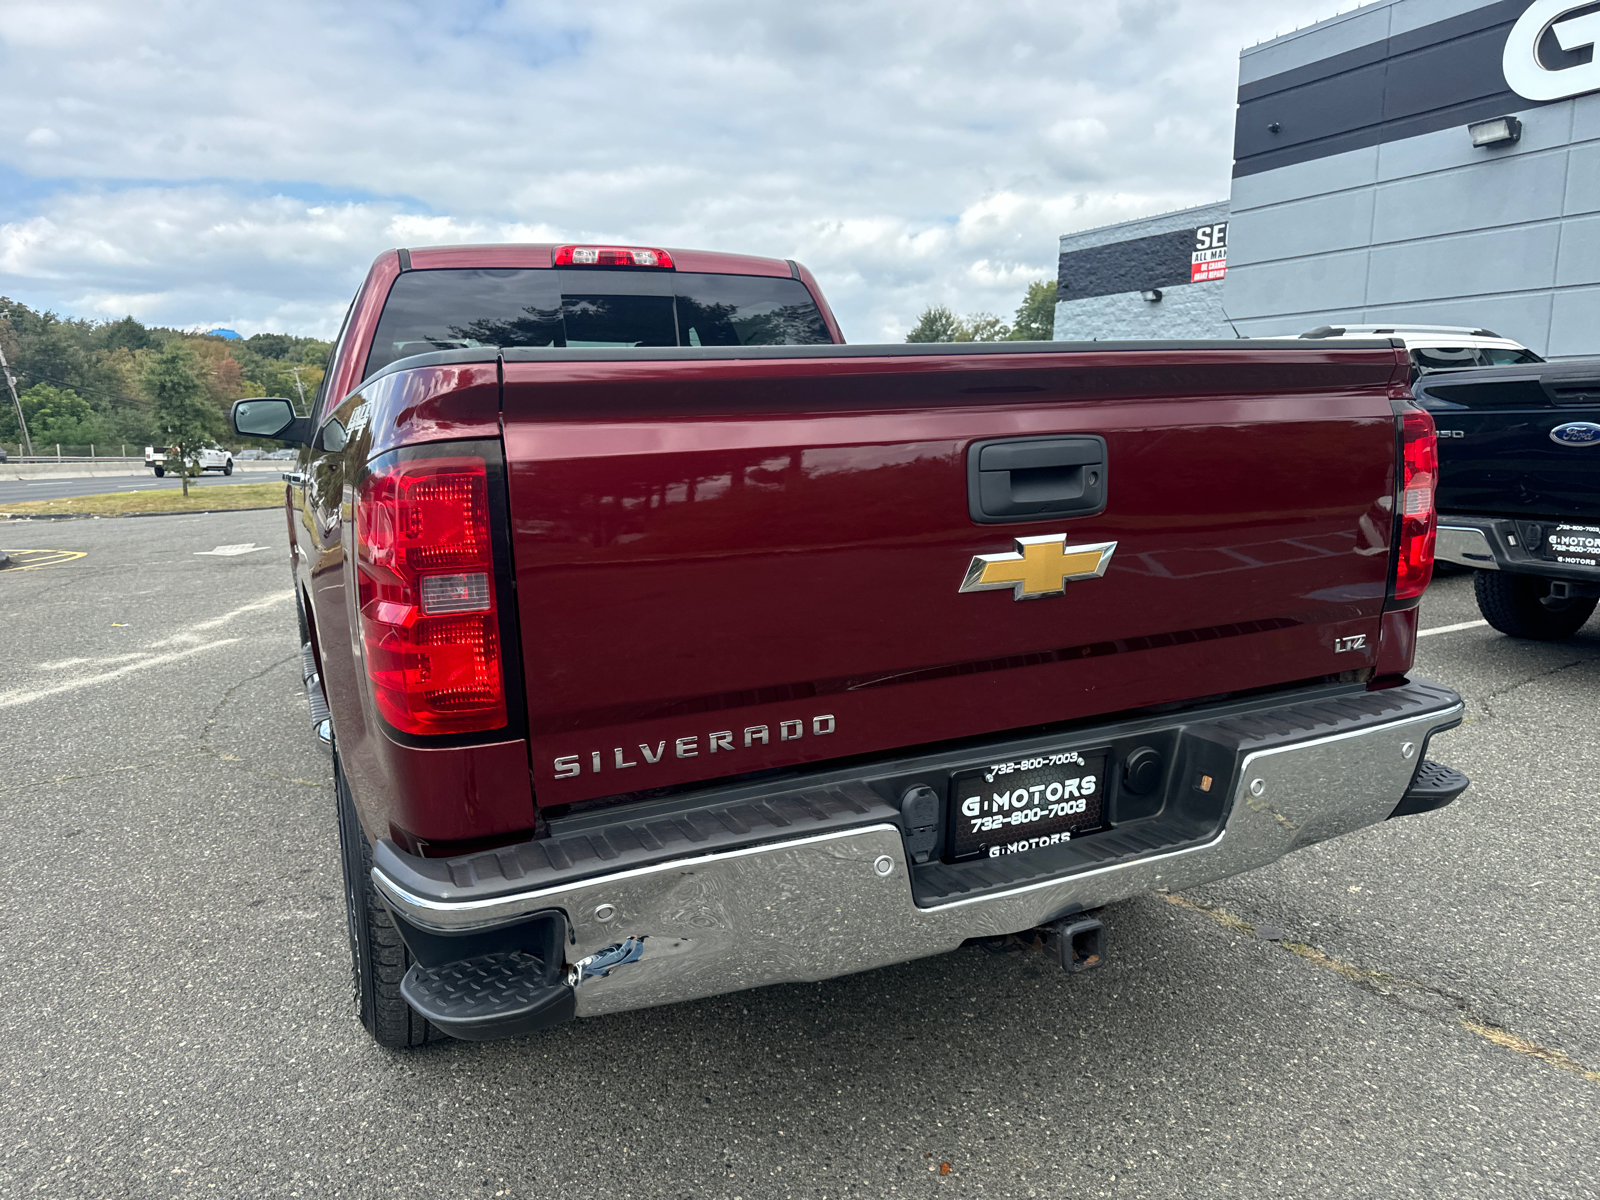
673	647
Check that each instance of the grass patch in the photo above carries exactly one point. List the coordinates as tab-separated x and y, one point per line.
215	498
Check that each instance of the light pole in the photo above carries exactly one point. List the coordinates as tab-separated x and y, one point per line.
11	383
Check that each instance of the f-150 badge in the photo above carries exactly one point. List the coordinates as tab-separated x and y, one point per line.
1040	566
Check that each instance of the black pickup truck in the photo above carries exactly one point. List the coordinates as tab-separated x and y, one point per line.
1519	489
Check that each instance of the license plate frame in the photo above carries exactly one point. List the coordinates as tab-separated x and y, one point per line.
1570	544
1006	807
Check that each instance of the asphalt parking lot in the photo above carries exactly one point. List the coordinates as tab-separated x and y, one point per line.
176	994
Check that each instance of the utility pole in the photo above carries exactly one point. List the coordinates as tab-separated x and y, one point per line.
11	383
300	387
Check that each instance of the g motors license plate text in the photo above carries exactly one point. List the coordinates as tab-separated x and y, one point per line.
1027	804
1578	545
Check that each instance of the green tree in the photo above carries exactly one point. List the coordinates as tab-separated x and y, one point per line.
981	327
126	334
285	347
54	415
59	415
272	345
49	352
1036	318
936	324
184	412
939	324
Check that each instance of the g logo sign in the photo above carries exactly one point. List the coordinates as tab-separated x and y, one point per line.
1526	70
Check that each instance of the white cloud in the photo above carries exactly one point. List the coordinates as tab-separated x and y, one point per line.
242	168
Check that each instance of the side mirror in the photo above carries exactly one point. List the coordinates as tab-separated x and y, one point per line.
271	417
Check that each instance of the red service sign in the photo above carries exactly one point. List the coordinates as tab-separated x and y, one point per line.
1208	264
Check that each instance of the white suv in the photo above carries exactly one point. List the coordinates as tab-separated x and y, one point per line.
1440	347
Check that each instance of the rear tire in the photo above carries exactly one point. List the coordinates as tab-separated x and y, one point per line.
379	959
1521	607
227	467
160	471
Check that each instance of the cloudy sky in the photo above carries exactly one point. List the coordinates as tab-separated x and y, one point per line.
202	164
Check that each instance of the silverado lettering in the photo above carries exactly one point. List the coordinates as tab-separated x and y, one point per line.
585	537
569	765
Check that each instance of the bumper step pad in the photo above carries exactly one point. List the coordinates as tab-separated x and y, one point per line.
495	996
636	837
1433	786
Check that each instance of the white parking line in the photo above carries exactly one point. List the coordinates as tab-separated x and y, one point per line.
176	648
233	550
189	635
12	699
1450	628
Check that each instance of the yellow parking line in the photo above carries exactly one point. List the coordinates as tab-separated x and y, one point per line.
36	560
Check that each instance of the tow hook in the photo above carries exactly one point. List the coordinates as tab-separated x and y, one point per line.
1080	942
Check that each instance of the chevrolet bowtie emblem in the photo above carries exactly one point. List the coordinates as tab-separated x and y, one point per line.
1041	566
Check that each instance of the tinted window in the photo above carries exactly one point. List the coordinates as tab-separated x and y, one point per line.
1445	358
454	310
747	310
615	310
1497	357
458	309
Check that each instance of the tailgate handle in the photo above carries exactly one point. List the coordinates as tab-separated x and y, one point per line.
1036	478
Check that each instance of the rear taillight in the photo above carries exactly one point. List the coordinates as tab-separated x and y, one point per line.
429	623
1418	521
612	256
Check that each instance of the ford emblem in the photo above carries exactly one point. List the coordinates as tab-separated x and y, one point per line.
1576	433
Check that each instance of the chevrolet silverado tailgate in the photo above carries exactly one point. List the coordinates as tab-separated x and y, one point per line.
735	560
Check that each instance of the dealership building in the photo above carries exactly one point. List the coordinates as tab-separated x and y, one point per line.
1412	161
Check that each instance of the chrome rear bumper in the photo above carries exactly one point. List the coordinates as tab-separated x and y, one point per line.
812	908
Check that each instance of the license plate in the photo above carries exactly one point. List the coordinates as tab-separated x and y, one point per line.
1578	545
1027	804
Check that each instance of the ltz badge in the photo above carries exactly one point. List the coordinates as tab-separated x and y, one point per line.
1040	566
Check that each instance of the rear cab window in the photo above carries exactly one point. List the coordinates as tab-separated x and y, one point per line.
464	308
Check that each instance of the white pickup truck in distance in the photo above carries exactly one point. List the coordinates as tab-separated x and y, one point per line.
212	458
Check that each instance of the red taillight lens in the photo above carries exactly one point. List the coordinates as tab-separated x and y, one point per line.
429	624
612	256
1418	520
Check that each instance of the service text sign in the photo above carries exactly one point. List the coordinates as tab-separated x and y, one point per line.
1210	257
